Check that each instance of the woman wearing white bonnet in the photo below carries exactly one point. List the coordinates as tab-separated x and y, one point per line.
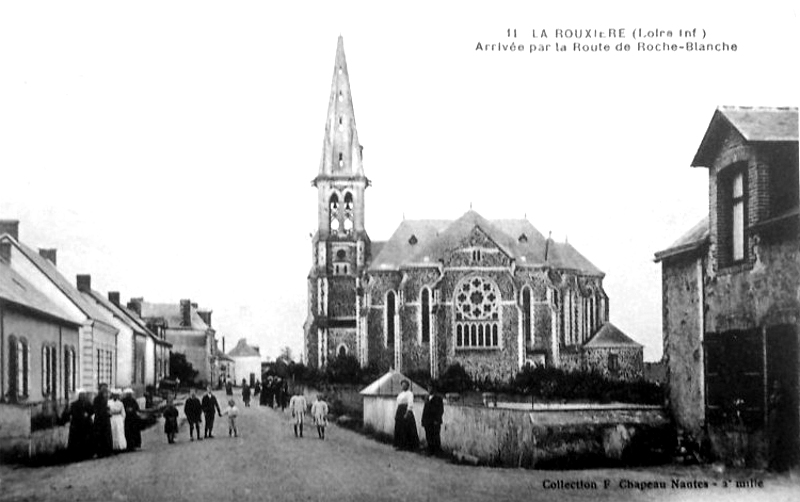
117	411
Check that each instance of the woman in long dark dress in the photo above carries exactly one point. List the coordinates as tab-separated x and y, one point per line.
79	414
405	426
102	423
133	434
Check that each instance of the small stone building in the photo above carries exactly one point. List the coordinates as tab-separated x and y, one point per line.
731	293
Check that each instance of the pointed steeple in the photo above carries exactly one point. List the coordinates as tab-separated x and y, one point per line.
341	152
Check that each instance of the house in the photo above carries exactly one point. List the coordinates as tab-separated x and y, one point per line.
140	358
490	295
39	364
246	362
187	329
98	336
157	348
731	293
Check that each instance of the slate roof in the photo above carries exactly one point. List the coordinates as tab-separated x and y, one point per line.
389	385
51	272
690	241
754	124
171	314
15	289
243	350
610	336
519	239
127	316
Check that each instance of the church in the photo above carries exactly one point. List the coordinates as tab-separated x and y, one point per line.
490	295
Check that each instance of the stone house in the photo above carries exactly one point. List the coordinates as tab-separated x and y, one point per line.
97	351
189	331
731	293
246	363
491	295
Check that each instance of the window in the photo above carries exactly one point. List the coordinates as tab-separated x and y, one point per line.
737	215
342	350
348	212
105	367
527	330
17	368
333	213
391	309
476	255
613	363
425	322
477	313
341	159
49	370
70	367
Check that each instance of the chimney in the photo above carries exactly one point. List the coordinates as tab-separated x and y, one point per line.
10	227
135	304
84	283
113	297
205	315
48	254
5	251
194	305
186	313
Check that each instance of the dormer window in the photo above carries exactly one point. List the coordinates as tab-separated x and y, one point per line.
413	240
523	238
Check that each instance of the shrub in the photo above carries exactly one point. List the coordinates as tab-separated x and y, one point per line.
455	379
180	368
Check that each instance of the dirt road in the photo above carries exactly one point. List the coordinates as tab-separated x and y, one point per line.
268	463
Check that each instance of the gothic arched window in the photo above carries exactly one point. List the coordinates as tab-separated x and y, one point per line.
348	212
477	313
333	213
391	309
425	322
527	328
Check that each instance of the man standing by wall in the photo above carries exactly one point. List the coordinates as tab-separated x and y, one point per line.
209	405
432	420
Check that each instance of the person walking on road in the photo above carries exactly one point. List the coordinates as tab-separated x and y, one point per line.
210	404
170	420
319	412
298	405
194	412
246	395
406	436
432	420
232	412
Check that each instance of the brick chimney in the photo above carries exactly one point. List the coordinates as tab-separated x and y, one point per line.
113	297
48	254
84	282
10	227
186	313
205	315
135	305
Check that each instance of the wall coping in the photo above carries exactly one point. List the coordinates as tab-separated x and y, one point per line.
543	407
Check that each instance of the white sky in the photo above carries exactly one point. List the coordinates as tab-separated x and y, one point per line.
167	148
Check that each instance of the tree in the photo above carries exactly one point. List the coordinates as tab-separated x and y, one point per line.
286	355
180	368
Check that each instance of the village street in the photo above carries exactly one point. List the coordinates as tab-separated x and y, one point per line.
268	463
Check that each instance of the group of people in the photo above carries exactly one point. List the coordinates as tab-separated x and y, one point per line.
108	424
406	436
197	411
273	393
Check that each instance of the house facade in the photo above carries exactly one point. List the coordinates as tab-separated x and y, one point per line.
187	329
731	293
490	295
97	344
246	363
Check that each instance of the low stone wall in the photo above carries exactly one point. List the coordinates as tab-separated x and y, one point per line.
19	442
543	436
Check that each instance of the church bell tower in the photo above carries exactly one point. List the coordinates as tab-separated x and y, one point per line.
340	244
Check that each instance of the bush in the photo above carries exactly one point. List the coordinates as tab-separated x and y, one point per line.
180	368
555	384
455	379
344	369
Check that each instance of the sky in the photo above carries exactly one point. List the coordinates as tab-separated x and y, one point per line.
168	148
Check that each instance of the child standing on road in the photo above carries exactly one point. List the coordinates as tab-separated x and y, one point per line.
319	410
170	420
232	411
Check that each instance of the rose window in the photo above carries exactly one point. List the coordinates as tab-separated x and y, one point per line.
477	311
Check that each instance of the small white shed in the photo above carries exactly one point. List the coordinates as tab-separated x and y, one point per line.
380	402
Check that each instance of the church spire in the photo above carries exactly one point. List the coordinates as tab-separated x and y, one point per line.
341	152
